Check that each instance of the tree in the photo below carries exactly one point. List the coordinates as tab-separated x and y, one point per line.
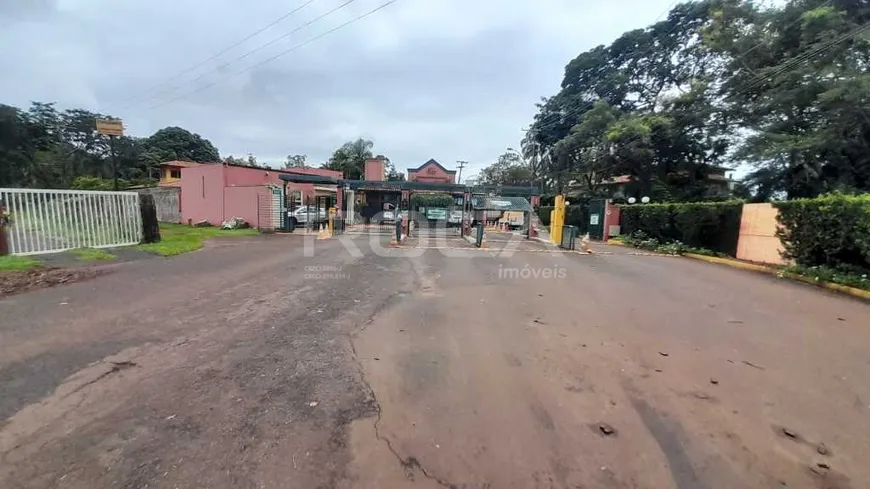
583	158
252	161
536	155
803	93
350	158
393	175
47	148
296	161
784	88
641	107
510	170
175	143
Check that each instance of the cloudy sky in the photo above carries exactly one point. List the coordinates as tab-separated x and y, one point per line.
443	79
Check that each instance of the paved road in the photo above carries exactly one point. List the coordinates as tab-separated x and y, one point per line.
250	364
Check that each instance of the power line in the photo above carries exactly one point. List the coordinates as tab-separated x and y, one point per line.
799	58
133	100
282	53
796	22
754	84
263	46
759	81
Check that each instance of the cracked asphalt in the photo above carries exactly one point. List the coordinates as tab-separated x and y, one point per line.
256	363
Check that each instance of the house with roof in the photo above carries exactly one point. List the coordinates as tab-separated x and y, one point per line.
215	192
170	172
431	172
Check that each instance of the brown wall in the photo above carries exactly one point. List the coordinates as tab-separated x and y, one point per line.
758	241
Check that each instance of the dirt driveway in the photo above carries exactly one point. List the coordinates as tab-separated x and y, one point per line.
250	364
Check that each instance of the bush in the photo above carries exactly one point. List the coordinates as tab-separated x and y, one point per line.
829	231
544	214
639	239
709	225
87	182
575	215
830	275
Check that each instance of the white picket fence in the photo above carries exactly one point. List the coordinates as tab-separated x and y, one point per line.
48	221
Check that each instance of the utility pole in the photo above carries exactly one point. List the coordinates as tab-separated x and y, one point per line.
114	162
112	128
460	164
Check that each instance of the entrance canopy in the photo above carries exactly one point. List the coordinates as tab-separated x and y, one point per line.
412	186
500	203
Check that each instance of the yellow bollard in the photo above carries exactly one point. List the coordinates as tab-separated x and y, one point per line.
332	214
557	220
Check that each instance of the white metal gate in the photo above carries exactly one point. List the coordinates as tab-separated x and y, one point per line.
277	207
47	221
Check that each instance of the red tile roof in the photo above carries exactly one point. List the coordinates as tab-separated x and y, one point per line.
181	164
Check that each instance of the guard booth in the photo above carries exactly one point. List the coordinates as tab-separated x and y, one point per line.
507	212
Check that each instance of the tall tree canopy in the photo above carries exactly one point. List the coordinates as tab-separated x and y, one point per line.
175	143
717	83
510	169
351	157
48	148
296	161
44	147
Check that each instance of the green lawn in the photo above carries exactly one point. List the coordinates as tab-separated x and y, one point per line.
9	263
178	238
92	254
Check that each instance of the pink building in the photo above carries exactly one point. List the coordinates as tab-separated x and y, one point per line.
375	170
217	192
431	172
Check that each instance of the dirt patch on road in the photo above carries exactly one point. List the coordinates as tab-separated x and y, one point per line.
40	278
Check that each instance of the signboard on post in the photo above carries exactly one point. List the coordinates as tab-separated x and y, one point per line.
110	127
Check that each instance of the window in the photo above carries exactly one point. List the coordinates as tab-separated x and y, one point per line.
175	173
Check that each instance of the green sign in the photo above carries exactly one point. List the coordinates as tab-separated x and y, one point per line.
436	214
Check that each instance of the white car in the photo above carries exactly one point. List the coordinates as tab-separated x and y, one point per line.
306	214
389	216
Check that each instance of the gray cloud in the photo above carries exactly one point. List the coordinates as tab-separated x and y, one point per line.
423	78
26	9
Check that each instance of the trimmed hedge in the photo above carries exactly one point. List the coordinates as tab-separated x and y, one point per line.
576	215
711	225
831	231
544	214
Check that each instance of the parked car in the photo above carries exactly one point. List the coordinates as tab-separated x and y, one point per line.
455	218
306	214
389	216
